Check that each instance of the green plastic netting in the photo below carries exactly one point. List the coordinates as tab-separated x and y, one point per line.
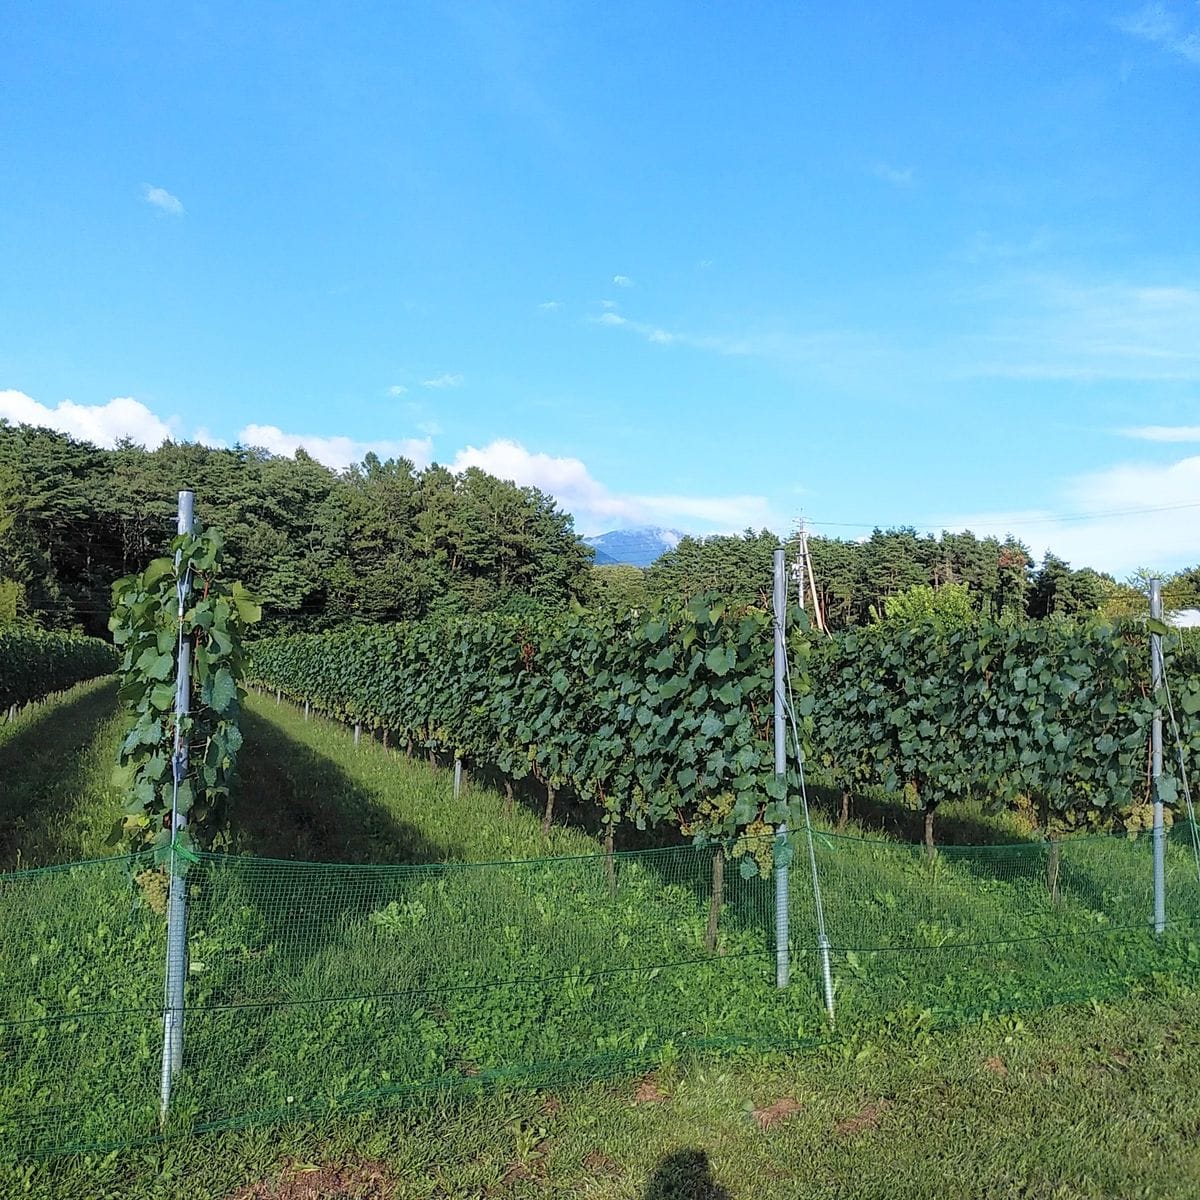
313	988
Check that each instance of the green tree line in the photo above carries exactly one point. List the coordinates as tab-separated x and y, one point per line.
381	541
384	541
894	572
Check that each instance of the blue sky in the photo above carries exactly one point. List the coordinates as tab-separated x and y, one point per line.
694	265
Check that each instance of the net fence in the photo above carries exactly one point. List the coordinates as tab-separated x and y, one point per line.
315	988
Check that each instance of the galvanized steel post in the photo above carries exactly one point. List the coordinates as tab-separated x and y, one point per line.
782	959
1156	762
176	971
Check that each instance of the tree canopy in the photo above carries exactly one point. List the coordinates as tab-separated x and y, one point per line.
381	541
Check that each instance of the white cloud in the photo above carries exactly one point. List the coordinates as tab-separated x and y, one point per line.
1168	27
397	389
550	306
596	508
896	176
101	424
623	281
163	200
337	452
720	514
1164	433
1118	519
448	380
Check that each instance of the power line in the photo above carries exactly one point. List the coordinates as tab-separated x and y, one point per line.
1049	520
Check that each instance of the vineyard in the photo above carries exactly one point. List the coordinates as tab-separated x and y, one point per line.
429	946
668	720
34	664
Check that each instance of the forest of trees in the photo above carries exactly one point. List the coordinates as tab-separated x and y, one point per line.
856	579
384	541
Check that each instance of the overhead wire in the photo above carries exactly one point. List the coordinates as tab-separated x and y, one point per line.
1049	519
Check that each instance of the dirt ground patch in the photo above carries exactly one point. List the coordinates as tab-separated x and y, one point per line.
329	1181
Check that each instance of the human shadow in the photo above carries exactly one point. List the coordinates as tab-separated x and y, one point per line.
685	1175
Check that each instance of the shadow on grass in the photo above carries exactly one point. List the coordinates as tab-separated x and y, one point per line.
878	813
685	1175
294	803
43	776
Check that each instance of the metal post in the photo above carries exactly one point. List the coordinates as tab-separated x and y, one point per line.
357	732
176	972
1156	763
782	960
457	777
276	695
306	709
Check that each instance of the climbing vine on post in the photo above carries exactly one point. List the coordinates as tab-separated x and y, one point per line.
147	631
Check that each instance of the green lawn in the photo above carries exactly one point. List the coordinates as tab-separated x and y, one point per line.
1093	1099
57	803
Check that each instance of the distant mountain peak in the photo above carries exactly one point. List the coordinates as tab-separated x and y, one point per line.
636	547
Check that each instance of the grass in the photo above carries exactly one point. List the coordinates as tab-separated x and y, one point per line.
57	802
1066	1105
333	801
1091	1100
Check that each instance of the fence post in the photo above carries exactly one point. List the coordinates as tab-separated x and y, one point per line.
782	958
176	968
457	777
1156	762
357	732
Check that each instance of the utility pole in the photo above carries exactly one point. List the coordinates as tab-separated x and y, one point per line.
805	578
1156	762
172	1056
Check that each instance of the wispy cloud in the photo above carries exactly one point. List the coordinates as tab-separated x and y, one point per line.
900	177
397	389
1055	328
623	281
597	508
337	452
987	247
1164	433
102	424
829	348
162	200
1168	26
448	380
550	305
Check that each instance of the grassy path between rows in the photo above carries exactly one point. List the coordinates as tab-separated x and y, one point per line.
1084	1101
57	802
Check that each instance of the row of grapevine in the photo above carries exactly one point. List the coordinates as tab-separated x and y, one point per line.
34	663
148	630
666	720
1053	715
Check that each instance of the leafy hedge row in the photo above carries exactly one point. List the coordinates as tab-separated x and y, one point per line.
669	719
1056	715
34	663
666	720
148	628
